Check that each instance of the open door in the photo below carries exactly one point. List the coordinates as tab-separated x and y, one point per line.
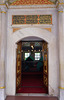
45	66
18	66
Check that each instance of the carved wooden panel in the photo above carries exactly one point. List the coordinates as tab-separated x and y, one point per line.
45	81
18	66
45	66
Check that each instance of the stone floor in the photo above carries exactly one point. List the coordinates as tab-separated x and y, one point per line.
30	98
31	94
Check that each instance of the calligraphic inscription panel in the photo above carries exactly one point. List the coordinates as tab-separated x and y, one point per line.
32	19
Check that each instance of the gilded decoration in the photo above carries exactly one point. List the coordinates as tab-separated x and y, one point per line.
61	88
32	19
32	2
49	29
2	87
16	29
45	81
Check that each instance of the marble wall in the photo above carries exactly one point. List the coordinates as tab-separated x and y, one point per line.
8	40
61	53
2	51
32	30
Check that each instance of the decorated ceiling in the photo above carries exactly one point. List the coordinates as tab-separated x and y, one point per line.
28	2
31	2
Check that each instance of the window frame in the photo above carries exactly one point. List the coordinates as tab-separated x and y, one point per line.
27	56
37	56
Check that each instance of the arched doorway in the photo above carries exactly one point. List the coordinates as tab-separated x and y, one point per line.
32	66
53	68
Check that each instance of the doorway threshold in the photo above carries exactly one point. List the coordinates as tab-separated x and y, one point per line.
31	94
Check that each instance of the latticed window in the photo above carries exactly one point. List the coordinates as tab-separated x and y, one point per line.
38	43
27	55
25	43
37	56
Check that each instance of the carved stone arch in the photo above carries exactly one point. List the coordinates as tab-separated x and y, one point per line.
36	32
50	38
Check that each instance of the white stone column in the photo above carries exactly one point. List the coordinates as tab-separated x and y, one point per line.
61	51
2	51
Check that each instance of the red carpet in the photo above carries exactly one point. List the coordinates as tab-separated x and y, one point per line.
32	84
32	73
32	90
32	80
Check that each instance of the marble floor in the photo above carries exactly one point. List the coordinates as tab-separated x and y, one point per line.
31	94
30	98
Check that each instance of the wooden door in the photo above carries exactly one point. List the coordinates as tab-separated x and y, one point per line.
45	66
18	66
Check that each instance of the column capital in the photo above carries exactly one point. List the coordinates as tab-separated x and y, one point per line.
60	8
3	9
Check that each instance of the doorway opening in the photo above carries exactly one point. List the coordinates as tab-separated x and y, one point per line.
32	66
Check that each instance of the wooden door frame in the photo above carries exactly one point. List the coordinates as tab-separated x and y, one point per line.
47	71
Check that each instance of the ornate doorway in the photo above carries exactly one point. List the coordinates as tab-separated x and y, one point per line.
32	70
52	58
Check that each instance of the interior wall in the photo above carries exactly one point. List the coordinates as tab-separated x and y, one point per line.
37	31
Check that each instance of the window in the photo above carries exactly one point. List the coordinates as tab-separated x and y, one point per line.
27	55
37	56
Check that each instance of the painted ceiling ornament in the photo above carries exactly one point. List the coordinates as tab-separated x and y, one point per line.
33	2
54	1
